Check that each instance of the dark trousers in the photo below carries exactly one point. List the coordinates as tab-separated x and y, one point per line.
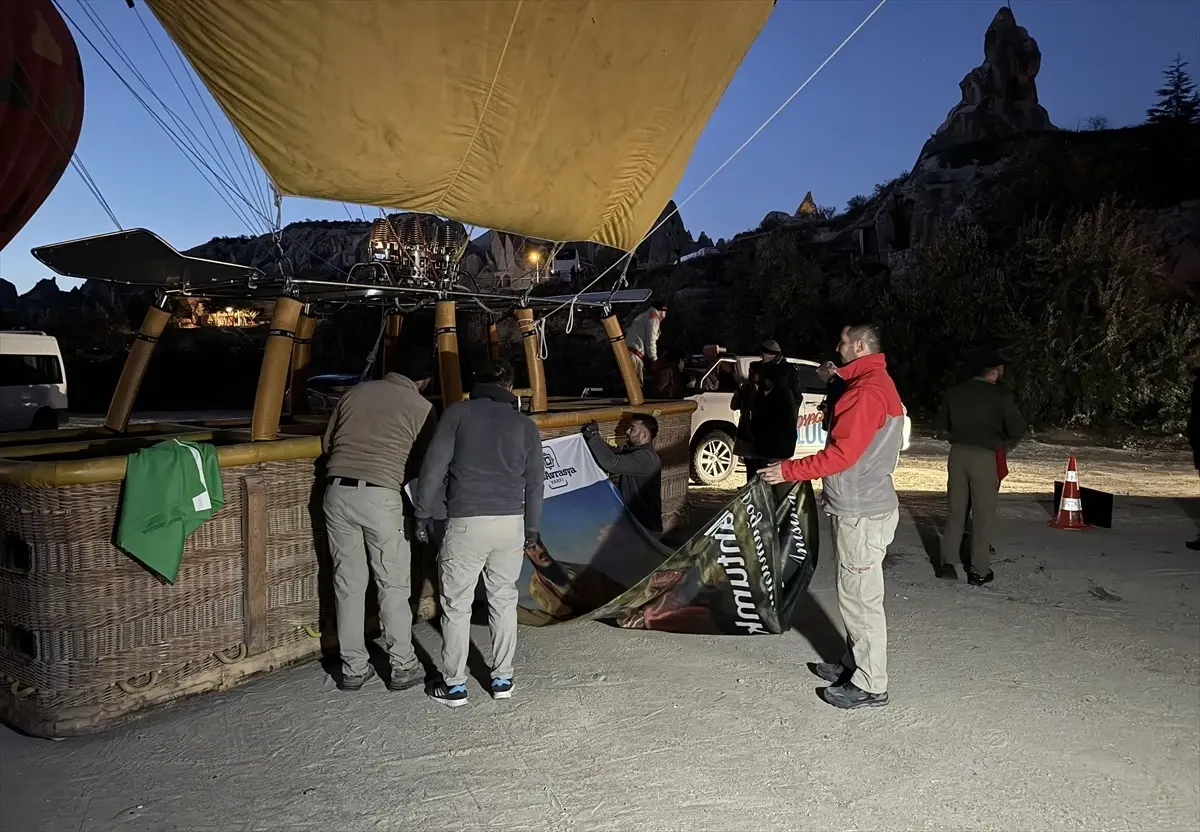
974	485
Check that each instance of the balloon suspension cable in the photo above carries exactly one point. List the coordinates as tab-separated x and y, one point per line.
732	156
277	237
373	355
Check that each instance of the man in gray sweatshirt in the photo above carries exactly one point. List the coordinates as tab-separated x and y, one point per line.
489	455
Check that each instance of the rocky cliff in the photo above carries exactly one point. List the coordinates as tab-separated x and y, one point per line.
999	97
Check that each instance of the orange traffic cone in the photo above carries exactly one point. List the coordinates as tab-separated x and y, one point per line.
1070	508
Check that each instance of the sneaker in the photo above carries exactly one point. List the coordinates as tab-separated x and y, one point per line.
849	696
452	696
355	683
947	572
1194	545
831	672
405	679
502	688
979	580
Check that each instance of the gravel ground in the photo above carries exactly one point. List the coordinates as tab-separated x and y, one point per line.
1066	695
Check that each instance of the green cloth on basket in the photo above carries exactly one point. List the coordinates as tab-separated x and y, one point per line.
170	490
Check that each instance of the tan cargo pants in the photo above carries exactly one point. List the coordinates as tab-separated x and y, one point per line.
859	544
495	548
366	535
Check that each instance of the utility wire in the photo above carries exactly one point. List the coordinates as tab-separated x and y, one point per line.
629	255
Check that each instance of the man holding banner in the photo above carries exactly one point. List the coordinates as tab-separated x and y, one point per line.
856	467
489	454
636	466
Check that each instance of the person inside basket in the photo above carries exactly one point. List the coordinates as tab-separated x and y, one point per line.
375	441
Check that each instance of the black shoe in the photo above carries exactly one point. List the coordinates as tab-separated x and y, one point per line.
947	572
1194	545
405	679
353	683
979	580
502	688
832	672
849	696
452	696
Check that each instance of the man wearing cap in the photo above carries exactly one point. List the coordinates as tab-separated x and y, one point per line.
856	467
642	337
376	438
983	423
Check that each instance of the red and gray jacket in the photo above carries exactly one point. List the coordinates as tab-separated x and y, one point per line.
864	443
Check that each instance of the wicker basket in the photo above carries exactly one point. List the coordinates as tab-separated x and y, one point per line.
89	638
89	635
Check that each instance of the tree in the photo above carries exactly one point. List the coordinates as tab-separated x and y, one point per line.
857	201
1096	123
1178	102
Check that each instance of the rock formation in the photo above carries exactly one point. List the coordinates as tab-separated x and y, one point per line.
808	207
999	97
8	295
668	243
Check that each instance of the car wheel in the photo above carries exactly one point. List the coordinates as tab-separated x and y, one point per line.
44	419
712	458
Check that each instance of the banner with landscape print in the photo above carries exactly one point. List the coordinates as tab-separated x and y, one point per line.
742	573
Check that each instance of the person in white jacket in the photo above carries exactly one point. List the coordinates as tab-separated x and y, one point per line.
642	336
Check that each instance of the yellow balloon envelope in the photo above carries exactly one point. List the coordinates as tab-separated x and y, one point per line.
556	119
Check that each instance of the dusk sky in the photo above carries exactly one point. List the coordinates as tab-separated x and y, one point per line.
861	121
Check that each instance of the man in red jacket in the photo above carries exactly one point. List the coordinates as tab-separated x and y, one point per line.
856	467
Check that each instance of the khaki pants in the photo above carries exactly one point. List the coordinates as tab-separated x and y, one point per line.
973	481
493	546
639	368
366	535
859	544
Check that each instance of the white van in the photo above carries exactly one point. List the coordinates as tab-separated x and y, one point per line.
33	383
567	264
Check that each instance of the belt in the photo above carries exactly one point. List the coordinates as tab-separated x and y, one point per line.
350	482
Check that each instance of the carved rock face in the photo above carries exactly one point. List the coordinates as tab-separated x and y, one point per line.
999	97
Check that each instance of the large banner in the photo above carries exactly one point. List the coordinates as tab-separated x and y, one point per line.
741	574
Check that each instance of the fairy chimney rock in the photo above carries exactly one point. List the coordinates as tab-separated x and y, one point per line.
808	206
999	97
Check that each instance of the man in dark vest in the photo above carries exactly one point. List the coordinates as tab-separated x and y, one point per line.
982	419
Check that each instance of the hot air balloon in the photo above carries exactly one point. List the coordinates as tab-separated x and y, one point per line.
41	107
554	119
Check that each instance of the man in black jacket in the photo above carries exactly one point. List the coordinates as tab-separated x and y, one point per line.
489	455
774	405
637	466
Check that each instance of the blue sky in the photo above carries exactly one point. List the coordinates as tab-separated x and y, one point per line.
861	121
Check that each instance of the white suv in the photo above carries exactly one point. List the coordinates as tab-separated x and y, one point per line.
714	424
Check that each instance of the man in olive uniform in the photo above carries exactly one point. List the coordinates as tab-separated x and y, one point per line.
1194	420
981	418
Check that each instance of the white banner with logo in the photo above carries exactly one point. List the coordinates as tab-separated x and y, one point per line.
570	466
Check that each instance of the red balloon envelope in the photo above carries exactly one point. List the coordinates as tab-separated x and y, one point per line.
41	107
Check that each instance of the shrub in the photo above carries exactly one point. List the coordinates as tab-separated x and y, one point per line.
1079	306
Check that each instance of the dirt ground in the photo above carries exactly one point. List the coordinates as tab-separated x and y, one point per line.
1064	696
